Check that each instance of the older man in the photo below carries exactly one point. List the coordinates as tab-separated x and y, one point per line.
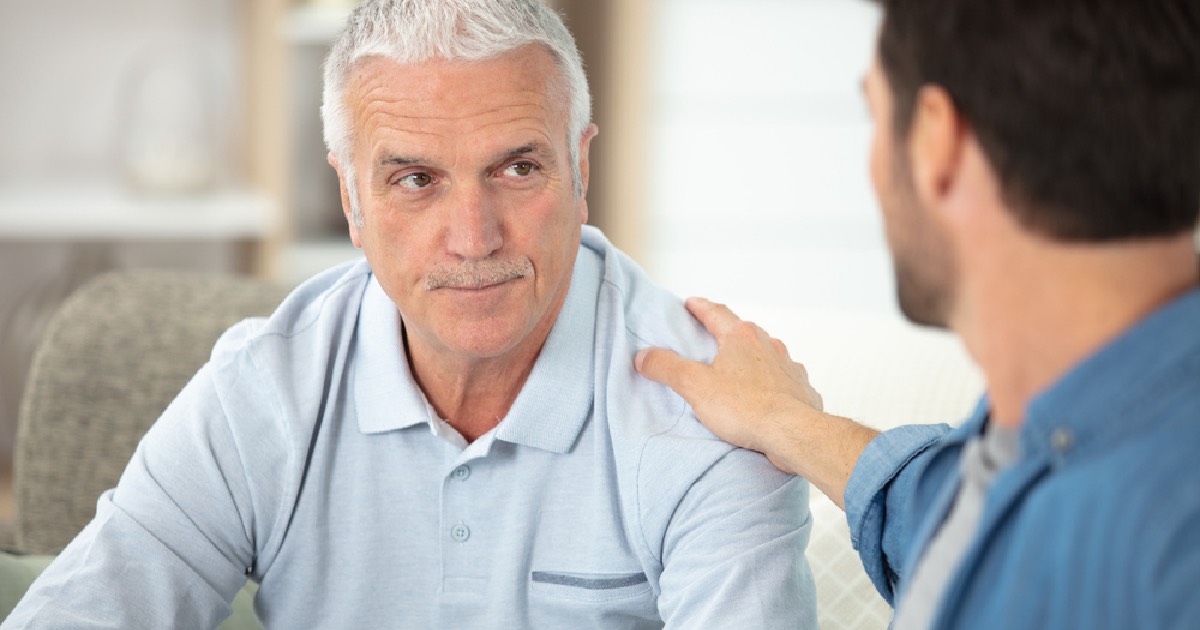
451	434
1038	168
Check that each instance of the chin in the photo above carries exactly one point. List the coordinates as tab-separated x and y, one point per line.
482	341
922	318
927	309
921	304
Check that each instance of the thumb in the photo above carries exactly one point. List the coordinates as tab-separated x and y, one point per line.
666	367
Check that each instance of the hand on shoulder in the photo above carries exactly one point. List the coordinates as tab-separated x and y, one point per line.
749	393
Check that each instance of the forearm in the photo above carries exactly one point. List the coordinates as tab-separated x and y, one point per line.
116	574
820	447
168	546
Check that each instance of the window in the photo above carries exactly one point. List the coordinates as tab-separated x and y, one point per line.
760	196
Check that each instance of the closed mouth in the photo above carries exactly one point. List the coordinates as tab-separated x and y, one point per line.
480	287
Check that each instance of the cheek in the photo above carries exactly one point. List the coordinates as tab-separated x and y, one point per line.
878	162
883	180
543	222
393	246
555	241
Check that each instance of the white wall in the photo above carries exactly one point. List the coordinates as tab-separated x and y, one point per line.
64	63
760	196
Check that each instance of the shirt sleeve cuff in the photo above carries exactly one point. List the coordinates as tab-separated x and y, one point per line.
883	459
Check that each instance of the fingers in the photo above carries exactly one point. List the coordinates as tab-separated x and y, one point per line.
668	368
717	318
721	323
800	367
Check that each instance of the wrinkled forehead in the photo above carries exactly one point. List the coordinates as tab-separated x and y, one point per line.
438	100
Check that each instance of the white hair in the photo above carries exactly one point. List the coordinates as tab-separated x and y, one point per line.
413	31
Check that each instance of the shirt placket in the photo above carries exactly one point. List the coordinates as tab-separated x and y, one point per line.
464	561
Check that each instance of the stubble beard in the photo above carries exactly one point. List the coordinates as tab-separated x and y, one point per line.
922	262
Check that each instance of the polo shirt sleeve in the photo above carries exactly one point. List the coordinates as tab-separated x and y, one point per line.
172	544
733	550
890	478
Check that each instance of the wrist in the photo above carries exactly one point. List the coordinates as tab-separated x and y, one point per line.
788	442
820	447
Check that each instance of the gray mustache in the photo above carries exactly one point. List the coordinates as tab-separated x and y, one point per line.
477	274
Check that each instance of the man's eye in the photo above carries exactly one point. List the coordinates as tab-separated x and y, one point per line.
520	169
415	181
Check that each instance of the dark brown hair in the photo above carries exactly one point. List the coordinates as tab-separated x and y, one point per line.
1088	110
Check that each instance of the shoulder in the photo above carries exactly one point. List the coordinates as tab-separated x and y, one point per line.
1153	475
634	313
1141	496
310	316
648	314
1131	517
653	430
273	373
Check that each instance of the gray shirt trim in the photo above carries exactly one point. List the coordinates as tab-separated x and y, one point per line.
983	459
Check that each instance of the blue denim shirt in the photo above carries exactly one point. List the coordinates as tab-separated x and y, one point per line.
1096	526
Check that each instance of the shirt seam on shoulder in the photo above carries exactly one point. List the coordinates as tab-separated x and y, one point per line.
252	535
318	304
640	511
278	523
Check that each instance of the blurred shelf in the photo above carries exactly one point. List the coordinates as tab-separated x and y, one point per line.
303	259
106	212
315	24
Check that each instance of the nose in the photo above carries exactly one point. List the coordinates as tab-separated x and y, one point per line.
474	230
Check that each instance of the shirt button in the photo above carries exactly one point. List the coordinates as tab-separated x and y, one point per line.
460	533
461	473
1062	439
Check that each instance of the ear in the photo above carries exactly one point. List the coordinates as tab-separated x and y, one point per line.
585	144
936	145
345	192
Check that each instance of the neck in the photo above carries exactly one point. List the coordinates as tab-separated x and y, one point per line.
472	396
473	393
1047	306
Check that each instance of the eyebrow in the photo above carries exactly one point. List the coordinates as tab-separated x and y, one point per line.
533	147
399	160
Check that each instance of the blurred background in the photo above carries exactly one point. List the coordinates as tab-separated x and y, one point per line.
183	134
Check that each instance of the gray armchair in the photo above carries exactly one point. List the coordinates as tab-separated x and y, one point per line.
110	360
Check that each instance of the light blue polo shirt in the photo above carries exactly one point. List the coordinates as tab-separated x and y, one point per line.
305	457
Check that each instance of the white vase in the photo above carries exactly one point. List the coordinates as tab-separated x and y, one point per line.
168	134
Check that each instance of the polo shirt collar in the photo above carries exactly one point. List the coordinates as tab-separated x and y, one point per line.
550	411
386	396
552	408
